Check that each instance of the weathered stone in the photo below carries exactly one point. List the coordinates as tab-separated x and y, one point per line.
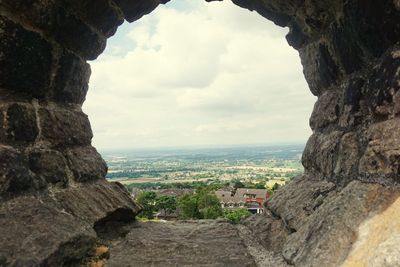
295	202
103	15
396	103
278	12
382	247
319	15
397	4
201	243
382	156
21	123
86	164
326	110
348	157
364	17
355	110
57	229
270	230
3	123
384	83
14	172
296	37
346	48
137	9
73	33
319	156
50	165
59	24
68	244
103	198
336	221
25	60
64	127
321	71
353	93
379	235
72	80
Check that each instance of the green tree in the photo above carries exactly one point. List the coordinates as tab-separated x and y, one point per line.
236	215
213	212
238	184
209	205
275	187
167	204
203	204
148	201
188	207
260	186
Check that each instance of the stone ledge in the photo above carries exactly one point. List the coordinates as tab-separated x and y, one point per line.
53	229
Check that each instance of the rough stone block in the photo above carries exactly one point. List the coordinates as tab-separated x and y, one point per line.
49	165
348	157
134	10
64	127
336	222
382	156
3	123
354	109
60	24
14	172
373	24
72	80
57	230
296	37
274	11
319	156
318	15
42	234
397	4
353	93
21	123
73	33
25	60
86	164
103	15
271	231
383	83
320	70
346	48
295	201
326	110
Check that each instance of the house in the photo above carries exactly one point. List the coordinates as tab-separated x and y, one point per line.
228	199
251	199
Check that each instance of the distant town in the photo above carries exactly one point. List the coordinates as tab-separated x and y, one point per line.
204	183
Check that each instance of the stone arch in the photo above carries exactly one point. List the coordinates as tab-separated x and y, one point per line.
351	58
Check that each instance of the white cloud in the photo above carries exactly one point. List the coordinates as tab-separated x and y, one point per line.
211	74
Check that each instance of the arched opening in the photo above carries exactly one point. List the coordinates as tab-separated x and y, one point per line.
219	86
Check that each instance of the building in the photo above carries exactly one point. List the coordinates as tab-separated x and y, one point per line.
229	199
251	199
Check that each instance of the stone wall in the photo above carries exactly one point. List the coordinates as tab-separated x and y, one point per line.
351	57
350	54
52	180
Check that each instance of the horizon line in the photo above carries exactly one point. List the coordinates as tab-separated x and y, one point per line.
207	146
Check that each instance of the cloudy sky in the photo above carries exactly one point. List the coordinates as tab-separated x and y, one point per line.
194	73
